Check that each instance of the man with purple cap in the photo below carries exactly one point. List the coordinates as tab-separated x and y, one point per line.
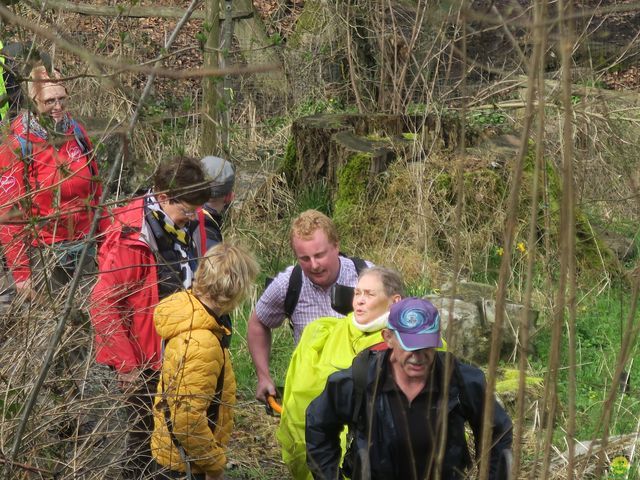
393	403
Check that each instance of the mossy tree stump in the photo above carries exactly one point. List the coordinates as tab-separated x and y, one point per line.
318	145
354	164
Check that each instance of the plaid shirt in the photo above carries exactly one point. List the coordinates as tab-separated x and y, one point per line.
314	301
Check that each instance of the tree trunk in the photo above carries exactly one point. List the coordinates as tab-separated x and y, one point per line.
323	143
257	48
211	26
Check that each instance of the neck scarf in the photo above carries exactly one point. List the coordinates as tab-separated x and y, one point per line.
31	124
177	239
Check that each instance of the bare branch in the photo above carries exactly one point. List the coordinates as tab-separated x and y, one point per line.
128	66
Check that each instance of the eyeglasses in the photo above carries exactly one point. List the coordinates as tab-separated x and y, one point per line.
187	212
50	102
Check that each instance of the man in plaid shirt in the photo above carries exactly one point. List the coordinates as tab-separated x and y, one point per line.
314	240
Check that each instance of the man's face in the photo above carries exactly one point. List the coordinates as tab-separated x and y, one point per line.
318	258
51	101
179	212
370	300
413	365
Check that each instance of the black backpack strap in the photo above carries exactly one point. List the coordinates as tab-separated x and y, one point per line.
293	291
295	284
356	460
213	412
456	376
359	263
359	369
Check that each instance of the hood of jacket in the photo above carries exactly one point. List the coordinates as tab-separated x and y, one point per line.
182	312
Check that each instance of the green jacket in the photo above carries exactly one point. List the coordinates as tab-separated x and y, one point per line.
4	104
327	345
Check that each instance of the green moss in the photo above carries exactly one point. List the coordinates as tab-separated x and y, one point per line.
310	22
352	184
442	182
488	182
289	162
509	382
591	254
377	138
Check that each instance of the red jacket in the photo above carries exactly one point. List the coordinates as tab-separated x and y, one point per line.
126	294
60	186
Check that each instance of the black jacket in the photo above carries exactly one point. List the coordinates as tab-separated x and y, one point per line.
209	231
328	413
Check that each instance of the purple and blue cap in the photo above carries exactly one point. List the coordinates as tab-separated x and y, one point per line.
416	323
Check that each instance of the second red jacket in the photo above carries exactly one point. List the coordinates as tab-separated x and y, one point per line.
126	294
54	192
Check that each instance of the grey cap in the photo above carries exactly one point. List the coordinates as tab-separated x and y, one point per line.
222	174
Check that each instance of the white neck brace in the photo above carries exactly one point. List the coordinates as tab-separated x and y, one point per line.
374	325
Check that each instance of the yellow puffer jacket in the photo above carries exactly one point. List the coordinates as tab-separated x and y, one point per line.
192	362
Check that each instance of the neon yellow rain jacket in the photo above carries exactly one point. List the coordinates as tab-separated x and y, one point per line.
192	362
327	345
4	104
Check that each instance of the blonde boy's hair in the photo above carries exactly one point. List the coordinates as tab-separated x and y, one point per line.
225	276
305	224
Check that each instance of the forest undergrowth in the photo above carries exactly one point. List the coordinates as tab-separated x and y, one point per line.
438	214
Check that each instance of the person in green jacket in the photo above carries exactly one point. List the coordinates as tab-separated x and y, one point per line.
327	345
4	101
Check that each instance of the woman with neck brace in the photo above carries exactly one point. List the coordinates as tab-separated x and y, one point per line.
329	344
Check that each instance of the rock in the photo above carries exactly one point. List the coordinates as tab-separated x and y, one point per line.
474	314
470	291
512	319
473	338
624	248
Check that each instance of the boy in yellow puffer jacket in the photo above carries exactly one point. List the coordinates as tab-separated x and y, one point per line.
193	416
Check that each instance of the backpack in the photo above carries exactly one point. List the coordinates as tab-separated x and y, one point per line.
355	464
295	284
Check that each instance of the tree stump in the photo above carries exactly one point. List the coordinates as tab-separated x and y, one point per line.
318	146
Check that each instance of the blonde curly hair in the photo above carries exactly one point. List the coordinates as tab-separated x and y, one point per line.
305	224
225	276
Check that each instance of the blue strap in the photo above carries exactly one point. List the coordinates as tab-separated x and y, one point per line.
80	138
25	146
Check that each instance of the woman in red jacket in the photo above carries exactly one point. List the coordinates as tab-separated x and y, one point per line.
49	187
